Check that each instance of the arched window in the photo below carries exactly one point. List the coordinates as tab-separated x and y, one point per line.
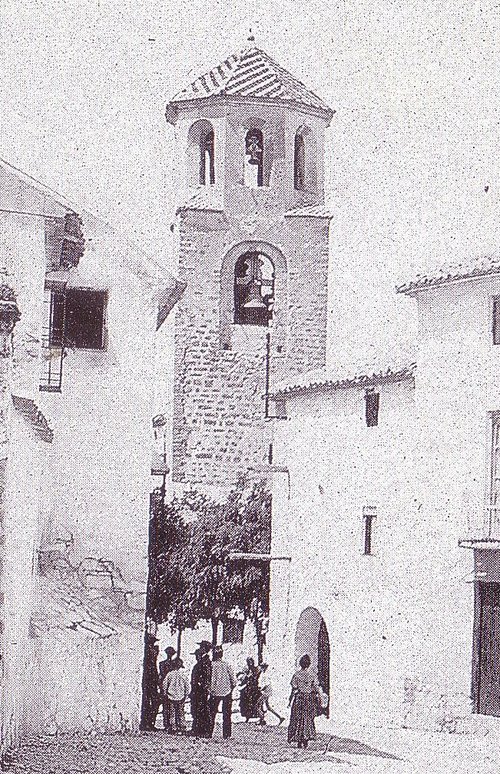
201	154
254	161
304	160
207	167
253	289
299	162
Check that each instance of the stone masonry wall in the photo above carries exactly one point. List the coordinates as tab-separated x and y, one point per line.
219	428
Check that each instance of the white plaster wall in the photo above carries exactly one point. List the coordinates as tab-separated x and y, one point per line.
99	462
82	647
457	386
96	494
337	465
22	534
22	246
400	622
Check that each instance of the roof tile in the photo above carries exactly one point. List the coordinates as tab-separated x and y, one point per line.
326	378
251	73
475	268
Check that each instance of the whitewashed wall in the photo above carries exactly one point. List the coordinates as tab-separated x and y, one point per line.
337	465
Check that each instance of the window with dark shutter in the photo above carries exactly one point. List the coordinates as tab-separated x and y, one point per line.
372	402
84	319
496	320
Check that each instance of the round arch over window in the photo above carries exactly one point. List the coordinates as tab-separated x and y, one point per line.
253	289
201	153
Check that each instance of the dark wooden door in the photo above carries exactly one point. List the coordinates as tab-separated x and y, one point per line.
324	659
488	693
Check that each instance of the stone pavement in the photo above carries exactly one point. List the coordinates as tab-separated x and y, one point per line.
265	751
160	752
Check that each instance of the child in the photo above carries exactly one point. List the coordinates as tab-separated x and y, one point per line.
266	690
176	690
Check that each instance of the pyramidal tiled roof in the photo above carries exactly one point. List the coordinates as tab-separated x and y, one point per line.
251	73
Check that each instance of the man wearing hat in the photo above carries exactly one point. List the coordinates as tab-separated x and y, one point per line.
200	686
221	689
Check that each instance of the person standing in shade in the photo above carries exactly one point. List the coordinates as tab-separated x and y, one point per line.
304	701
151	698
221	689
164	667
175	693
200	686
167	664
250	695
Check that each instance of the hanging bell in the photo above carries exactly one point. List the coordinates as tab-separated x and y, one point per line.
254	298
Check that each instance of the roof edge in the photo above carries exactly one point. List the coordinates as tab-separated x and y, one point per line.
171	110
427	283
358	380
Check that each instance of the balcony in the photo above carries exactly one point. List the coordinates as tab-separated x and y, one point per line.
483	528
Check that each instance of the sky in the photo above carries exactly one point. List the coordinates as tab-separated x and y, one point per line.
412	152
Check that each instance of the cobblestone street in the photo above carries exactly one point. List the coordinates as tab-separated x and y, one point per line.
158	752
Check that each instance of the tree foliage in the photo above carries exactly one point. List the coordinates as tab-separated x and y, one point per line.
192	575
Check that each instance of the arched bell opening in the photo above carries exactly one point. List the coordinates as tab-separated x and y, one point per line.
305	174
253	289
201	154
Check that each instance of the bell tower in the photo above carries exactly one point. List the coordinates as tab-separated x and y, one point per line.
253	249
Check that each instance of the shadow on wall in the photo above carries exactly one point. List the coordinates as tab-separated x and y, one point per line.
86	645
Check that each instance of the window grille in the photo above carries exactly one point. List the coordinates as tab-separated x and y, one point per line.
299	163
496	320
53	342
494	500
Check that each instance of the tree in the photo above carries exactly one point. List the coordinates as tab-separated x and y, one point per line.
194	577
169	599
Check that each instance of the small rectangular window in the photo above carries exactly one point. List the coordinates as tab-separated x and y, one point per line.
84	319
369	516
372	402
496	320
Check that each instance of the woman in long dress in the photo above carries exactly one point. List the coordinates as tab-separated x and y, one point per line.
304	701
250	693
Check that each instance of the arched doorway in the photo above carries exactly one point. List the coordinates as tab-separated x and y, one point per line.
311	637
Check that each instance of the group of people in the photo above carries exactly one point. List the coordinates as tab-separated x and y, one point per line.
210	687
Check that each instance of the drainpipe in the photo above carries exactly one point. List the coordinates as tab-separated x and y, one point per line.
268	369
